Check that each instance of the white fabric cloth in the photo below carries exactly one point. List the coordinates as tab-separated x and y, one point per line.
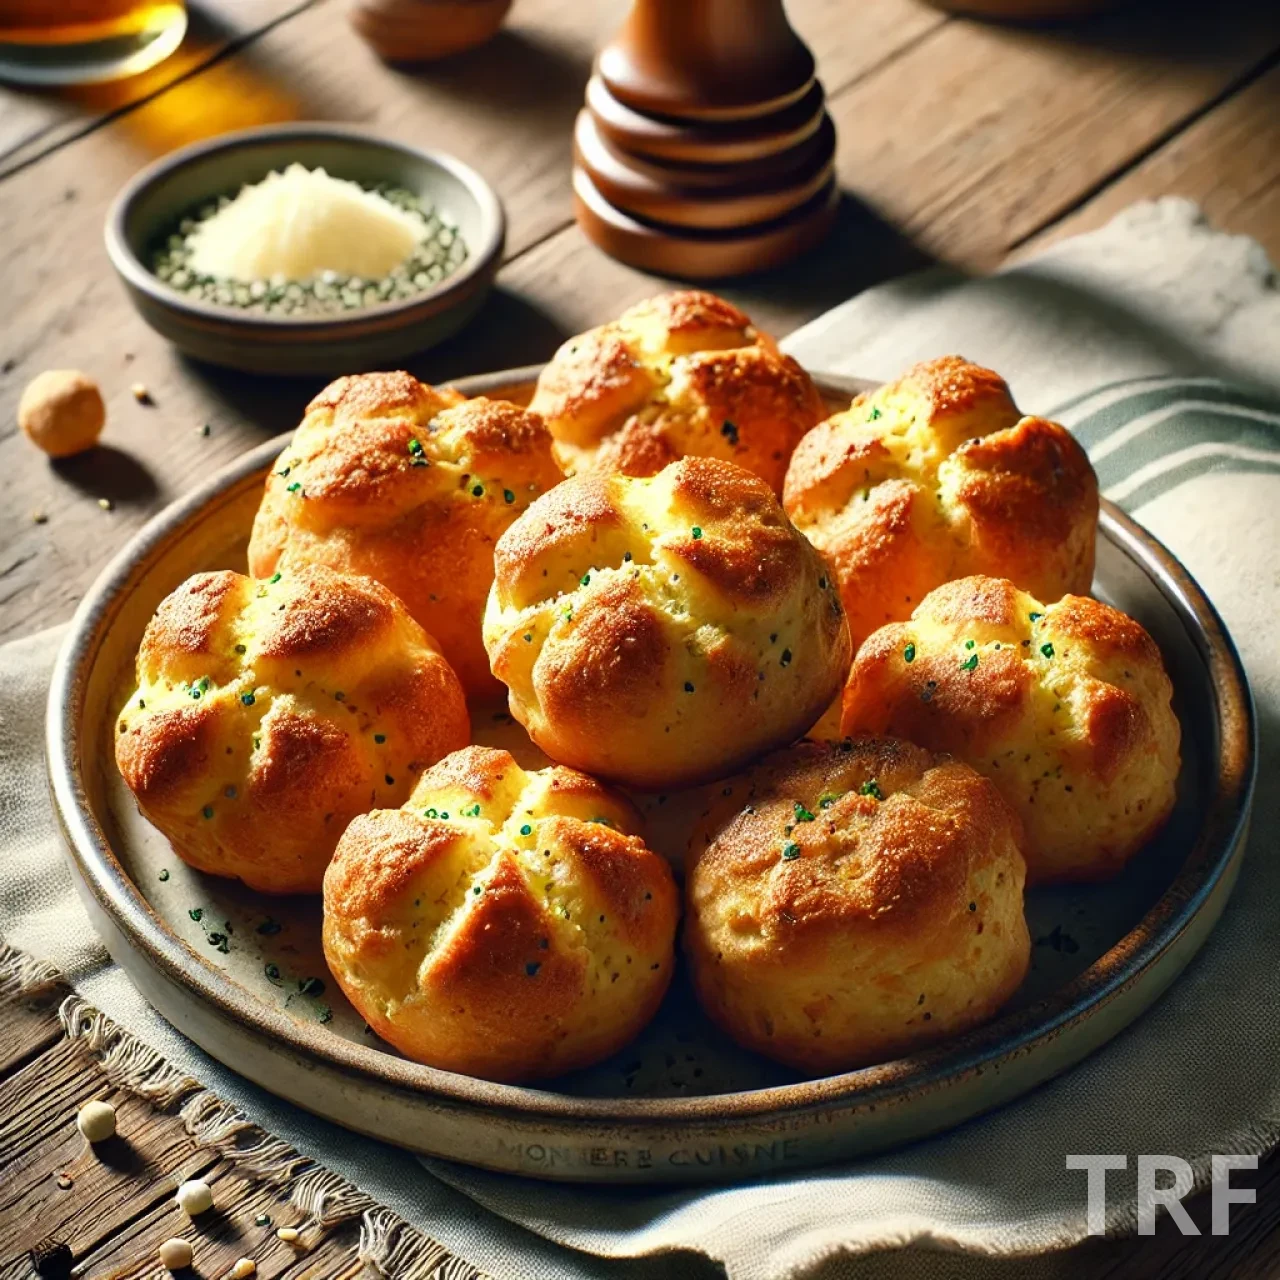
1155	293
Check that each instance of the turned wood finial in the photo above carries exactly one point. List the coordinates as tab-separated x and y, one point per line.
704	149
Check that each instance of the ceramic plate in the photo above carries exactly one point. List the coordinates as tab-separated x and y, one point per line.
244	976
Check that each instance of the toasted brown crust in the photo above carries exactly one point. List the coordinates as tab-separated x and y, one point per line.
1065	707
411	485
267	715
683	374
505	924
937	476
662	631
850	902
357	397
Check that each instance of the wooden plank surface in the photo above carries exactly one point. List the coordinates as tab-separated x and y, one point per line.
113	1203
34	122
958	141
508	107
26	1034
1227	161
1015	123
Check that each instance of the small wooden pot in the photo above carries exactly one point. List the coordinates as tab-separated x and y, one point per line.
425	30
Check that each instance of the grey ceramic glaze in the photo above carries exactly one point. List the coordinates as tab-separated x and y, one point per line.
682	1103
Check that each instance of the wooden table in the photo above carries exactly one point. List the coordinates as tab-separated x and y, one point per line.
959	142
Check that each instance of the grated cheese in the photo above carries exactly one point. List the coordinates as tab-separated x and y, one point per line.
298	224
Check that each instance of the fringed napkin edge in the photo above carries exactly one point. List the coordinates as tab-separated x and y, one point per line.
387	1243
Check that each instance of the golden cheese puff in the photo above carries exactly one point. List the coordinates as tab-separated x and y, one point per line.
411	485
268	714
852	902
62	412
503	923
683	374
935	476
1065	707
660	632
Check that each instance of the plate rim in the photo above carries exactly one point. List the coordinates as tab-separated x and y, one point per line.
1211	858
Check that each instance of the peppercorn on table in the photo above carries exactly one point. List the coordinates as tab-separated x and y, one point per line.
1029	134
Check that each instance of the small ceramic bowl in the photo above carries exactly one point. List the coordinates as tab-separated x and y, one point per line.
371	337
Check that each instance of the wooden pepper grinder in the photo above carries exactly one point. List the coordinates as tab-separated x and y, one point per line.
704	149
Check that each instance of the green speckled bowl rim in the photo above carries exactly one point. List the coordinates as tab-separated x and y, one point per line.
481	261
1209	867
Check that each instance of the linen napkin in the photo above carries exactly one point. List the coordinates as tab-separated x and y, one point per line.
1158	297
